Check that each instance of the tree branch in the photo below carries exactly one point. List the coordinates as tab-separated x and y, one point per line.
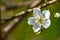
29	10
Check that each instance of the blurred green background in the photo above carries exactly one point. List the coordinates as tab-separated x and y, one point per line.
23	31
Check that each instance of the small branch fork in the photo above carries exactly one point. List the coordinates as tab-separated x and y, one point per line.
18	16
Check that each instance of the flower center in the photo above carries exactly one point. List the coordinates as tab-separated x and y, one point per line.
40	20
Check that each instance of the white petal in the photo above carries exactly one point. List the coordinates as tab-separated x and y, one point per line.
46	14
31	21
36	12
46	23
36	27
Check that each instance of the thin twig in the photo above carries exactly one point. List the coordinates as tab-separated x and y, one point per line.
29	10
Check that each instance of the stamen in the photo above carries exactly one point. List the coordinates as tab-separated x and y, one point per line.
40	20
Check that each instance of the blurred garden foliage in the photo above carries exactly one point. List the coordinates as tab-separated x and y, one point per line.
20	29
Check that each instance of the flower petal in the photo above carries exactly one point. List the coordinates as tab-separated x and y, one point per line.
46	23
46	14
36	27
31	21
36	12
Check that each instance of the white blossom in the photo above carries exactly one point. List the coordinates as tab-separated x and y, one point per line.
57	15
40	19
